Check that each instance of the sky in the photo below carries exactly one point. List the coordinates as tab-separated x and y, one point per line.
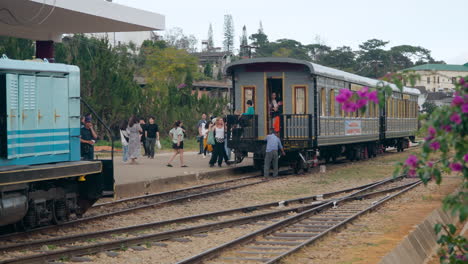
440	26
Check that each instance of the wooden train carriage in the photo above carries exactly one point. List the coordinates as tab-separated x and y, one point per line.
309	117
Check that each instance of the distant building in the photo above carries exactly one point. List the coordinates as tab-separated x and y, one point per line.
212	88
440	98
216	58
439	77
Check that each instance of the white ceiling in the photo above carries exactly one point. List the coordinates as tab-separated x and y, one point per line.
49	19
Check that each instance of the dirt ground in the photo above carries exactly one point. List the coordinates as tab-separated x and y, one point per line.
374	235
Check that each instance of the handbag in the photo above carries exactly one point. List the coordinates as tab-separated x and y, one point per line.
158	144
211	139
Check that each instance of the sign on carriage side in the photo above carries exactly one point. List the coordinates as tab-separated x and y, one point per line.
353	127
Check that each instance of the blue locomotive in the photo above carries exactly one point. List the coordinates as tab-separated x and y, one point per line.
310	123
42	179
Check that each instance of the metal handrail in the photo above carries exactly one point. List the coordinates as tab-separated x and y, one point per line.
103	124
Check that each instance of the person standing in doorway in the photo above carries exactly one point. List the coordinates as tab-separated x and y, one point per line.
87	140
177	136
250	109
124	139
134	130
271	153
201	124
143	136
151	134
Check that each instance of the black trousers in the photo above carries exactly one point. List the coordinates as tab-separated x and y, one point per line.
219	153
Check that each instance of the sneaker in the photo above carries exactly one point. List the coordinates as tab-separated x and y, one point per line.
204	156
211	165
169	165
219	165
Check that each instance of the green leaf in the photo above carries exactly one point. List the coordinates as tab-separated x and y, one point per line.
437	228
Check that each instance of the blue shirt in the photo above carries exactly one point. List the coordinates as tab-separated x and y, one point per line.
273	143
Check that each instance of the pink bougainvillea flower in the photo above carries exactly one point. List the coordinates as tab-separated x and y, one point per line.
462	81
455	117
363	92
361	103
457	100
465	158
464	108
435	145
343	96
412	161
349	107
447	128
456	166
431	133
430	164
373	97
412	172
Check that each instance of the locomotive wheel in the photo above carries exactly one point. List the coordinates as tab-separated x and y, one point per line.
61	213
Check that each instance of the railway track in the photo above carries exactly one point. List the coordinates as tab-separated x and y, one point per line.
282	238
156	200
277	212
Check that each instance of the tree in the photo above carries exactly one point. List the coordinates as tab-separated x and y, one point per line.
428	107
372	60
176	38
259	39
107	74
210	43
317	51
15	48
341	58
208	70
228	33
244	50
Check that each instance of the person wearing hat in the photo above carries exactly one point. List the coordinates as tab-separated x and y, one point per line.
271	153
87	139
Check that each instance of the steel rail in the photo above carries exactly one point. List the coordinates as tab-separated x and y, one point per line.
74	238
284	223
373	207
172	192
132	209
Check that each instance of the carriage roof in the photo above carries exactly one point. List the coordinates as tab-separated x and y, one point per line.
322	71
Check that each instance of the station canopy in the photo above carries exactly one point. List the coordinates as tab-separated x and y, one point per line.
49	19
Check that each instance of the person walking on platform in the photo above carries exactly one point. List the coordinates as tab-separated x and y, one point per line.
134	130
219	152
143	136
124	139
177	136
151	134
271	153
201	124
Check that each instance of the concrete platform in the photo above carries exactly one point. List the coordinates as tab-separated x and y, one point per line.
152	175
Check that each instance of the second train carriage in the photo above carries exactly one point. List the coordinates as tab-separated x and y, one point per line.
310	123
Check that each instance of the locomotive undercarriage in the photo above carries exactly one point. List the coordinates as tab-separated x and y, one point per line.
43	203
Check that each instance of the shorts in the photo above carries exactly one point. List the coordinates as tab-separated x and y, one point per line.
181	145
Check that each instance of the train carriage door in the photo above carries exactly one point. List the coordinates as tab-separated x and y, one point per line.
60	115
45	113
28	144
9	119
274	86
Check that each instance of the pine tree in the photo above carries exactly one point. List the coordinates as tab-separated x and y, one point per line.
210	44
228	33
244	50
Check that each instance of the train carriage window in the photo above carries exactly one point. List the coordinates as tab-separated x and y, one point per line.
248	93
323	102
331	103
300	100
